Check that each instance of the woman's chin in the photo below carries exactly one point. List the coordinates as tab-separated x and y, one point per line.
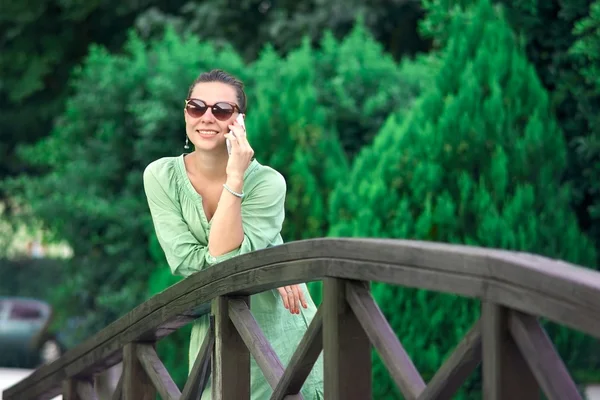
210	145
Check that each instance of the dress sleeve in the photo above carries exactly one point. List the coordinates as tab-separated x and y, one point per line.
262	219
183	252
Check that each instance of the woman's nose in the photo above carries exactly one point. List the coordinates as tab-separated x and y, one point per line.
208	115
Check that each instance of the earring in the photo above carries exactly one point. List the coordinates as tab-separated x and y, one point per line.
187	146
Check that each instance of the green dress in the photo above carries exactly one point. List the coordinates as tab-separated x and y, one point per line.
183	230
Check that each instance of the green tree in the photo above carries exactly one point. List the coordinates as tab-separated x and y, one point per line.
41	43
345	87
586	55
553	33
290	131
478	161
360	84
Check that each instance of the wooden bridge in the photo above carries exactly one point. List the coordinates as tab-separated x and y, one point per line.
518	359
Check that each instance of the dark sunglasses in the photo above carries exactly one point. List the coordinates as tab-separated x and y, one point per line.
221	110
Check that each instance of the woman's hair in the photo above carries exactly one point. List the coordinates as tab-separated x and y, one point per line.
217	75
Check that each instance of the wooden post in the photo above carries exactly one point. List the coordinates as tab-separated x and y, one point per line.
69	390
346	347
231	367
506	375
136	383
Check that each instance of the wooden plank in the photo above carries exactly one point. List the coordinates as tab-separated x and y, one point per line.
86	391
562	292
198	378
231	377
511	295
398	363
345	346
254	338
69	390
457	368
158	374
506	376
542	358
302	361
136	383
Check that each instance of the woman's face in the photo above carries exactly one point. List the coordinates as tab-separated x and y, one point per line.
207	132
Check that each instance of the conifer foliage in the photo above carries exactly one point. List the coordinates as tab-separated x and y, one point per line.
478	161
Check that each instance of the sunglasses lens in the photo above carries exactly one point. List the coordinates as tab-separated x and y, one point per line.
196	108
222	111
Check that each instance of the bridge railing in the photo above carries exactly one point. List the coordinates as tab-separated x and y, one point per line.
517	357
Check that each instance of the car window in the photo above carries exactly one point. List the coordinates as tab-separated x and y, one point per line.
25	311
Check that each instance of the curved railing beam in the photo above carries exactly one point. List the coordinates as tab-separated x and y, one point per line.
556	290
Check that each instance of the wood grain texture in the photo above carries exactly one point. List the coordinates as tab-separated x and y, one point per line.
457	368
542	358
562	292
69	390
231	372
156	371
380	333
198	378
506	376
136	383
263	353
302	361
346	347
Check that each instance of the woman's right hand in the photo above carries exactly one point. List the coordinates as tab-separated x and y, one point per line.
293	297
241	152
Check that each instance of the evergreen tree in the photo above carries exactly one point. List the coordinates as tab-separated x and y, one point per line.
290	131
586	53
360	84
478	161
560	40
355	85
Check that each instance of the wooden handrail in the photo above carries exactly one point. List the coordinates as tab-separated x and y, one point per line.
512	286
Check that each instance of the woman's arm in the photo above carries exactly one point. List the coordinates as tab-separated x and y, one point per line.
227	232
262	215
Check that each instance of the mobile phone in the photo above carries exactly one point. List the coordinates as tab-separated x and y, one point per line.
240	120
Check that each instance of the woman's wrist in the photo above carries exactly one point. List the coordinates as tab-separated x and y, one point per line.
234	183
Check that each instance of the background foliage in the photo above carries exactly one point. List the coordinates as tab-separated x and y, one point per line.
453	121
477	161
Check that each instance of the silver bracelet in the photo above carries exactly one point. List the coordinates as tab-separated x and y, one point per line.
236	194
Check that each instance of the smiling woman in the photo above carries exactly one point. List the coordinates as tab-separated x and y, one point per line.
208	206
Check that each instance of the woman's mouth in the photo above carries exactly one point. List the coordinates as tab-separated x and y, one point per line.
206	132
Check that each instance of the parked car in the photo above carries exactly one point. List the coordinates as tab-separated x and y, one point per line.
25	339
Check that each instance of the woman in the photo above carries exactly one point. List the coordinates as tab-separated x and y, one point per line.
209	206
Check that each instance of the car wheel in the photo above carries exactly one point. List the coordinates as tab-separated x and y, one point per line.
49	351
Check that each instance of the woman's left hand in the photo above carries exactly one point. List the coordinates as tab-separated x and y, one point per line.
293	297
241	152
